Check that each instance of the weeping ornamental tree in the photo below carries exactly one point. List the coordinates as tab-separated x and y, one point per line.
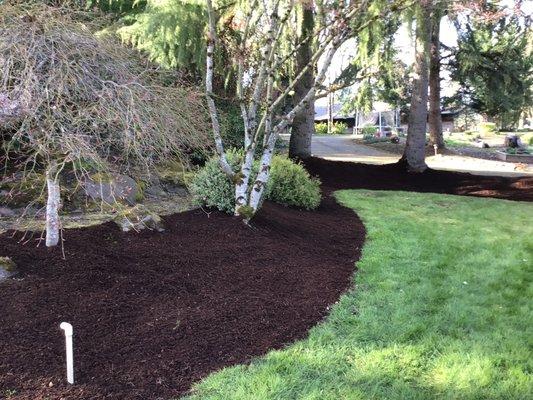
261	25
71	102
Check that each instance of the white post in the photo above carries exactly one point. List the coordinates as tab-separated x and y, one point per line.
70	354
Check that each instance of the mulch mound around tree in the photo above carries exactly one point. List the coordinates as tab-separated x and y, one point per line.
347	175
154	312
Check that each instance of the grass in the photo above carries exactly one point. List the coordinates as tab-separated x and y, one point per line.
441	309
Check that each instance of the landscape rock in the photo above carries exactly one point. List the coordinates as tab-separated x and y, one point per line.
112	189
7	268
139	219
481	144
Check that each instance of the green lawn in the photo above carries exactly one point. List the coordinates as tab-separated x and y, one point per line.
442	308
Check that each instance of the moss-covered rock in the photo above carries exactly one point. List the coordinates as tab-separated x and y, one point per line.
7	268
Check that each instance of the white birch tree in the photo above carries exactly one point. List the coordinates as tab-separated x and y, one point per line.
262	53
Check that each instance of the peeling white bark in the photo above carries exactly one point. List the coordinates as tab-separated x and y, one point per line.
219	146
53	204
260	106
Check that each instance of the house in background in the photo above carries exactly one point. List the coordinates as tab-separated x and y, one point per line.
383	117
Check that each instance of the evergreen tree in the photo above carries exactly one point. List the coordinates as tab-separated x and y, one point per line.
493	65
434	117
414	152
303	125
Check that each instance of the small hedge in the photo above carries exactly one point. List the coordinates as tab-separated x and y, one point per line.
369	130
338	128
290	184
321	128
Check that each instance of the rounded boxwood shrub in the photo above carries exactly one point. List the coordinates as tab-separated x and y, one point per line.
289	184
210	187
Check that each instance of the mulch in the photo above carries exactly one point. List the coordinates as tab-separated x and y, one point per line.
337	175
155	312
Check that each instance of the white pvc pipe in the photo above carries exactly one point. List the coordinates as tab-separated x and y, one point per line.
70	354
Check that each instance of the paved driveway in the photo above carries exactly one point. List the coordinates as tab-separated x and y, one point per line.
344	148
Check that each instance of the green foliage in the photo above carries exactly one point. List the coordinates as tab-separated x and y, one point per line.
494	65
321	128
210	187
117	6
338	128
170	31
442	310
487	128
289	184
369	130
231	125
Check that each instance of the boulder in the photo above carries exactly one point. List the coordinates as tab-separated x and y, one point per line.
481	144
8	268
138	219
111	189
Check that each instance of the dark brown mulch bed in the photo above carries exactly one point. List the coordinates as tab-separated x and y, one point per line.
346	175
154	312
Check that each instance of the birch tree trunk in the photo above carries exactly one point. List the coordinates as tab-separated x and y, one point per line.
435	118
414	152
53	204
303	125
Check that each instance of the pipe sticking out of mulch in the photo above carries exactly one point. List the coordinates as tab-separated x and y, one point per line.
155	312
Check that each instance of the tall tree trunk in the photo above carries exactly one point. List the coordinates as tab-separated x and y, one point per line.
303	125
53	204
435	118
414	152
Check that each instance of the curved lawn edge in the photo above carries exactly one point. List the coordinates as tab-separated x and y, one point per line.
154	312
440	309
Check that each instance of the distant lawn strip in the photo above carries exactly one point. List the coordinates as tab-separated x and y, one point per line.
441	309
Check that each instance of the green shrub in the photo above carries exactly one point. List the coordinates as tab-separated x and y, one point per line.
338	128
210	187
231	125
369	130
321	128
486	128
289	184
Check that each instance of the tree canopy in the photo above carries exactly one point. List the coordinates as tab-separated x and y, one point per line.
494	65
